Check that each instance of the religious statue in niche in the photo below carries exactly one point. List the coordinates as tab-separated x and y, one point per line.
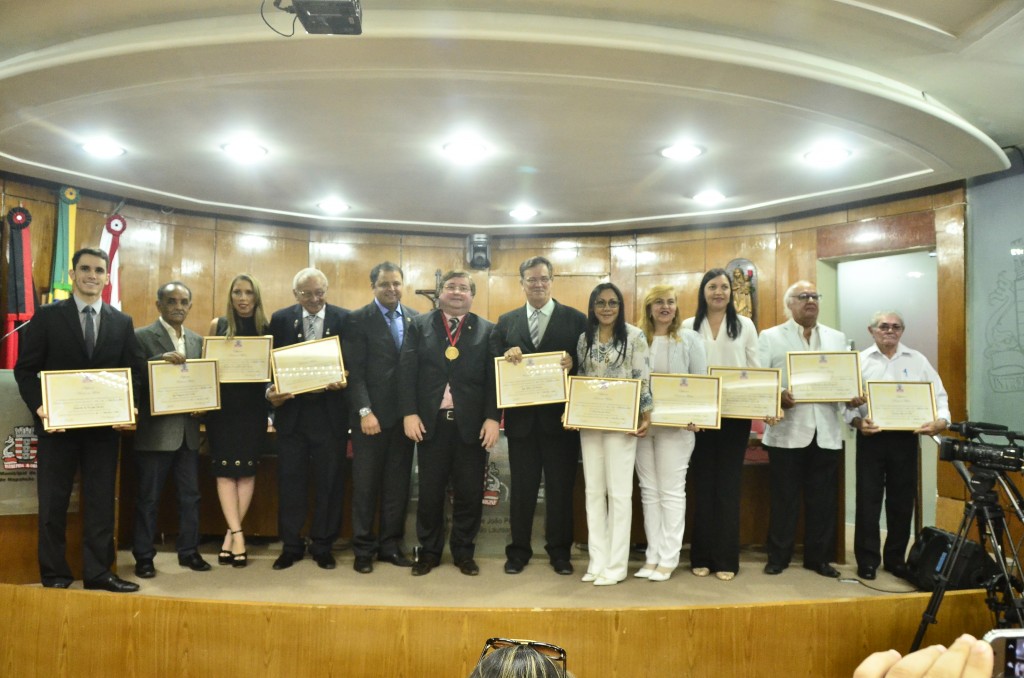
743	276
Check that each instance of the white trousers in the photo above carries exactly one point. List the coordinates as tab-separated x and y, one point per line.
608	460
661	462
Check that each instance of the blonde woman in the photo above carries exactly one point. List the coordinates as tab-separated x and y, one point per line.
663	456
238	430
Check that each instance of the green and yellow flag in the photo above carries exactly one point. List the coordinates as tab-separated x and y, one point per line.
64	243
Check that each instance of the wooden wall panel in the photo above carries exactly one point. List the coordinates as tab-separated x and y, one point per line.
902	232
272	261
796	259
678	257
760	248
623	273
76	633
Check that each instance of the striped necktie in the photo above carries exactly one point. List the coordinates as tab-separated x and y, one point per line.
535	327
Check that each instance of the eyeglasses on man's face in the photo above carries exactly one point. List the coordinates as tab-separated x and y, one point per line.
886	327
552	652
606	303
311	294
804	297
543	280
462	289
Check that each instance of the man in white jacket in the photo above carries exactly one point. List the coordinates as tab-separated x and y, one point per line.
805	447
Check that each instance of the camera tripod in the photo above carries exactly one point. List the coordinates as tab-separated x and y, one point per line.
1004	588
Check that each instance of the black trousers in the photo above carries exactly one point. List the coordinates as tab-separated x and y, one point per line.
444	458
557	456
886	465
152	469
715	478
310	452
381	471
94	450
813	472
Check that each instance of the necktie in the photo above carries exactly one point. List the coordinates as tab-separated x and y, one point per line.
535	327
395	323
311	327
453	324
90	330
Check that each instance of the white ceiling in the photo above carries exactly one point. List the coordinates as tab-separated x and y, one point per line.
575	97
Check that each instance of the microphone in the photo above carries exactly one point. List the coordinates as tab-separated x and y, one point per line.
16	329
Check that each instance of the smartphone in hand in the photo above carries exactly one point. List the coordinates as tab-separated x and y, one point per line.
1008	647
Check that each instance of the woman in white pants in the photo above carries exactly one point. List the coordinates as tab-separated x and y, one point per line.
611	348
663	456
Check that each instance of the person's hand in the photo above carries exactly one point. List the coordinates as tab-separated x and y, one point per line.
967	657
173	357
933	428
866	426
277	399
488	433
693	428
787	400
566	361
41	412
645	424
856	402
369	424
127	427
414	428
772	421
514	355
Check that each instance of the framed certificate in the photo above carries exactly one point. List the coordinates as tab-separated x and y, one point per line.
823	376
537	379
603	404
242	359
309	366
901	405
189	387
83	398
684	399
750	392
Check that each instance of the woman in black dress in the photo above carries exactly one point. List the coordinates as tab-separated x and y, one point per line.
236	432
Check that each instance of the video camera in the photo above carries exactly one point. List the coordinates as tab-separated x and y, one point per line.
989	455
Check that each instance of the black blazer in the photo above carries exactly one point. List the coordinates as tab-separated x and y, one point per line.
53	340
562	334
424	371
287	328
372	361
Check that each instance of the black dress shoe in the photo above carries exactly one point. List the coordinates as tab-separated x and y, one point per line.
363	564
824	569
562	567
468	567
397	559
144	568
59	584
112	583
194	561
866	572
325	561
286	560
424	566
771	568
514	566
900	571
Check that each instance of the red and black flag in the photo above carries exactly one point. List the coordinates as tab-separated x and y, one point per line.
21	291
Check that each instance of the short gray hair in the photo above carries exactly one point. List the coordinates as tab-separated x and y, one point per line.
877	318
307	273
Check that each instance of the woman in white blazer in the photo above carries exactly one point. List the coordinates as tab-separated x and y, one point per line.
730	340
663	456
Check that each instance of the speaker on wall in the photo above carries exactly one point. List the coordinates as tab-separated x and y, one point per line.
478	251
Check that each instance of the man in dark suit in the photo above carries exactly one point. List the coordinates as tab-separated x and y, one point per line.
168	442
312	431
74	334
447	397
381	453
536	439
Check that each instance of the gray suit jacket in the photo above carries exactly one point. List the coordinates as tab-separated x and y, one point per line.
165	432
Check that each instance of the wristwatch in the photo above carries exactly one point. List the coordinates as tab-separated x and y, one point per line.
364	411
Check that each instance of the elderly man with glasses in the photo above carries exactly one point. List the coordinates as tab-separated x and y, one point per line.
887	460
805	447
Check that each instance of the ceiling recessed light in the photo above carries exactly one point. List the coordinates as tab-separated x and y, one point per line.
466	150
709	197
103	148
523	212
244	150
333	206
682	151
827	155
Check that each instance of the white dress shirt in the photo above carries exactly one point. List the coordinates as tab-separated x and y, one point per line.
906	364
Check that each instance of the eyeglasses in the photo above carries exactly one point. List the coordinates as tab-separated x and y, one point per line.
807	296
552	652
464	289
610	303
318	294
543	280
885	327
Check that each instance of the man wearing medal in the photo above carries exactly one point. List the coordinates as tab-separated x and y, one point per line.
447	397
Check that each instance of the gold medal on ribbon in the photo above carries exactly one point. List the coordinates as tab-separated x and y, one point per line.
451	353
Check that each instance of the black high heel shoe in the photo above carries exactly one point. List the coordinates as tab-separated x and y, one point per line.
238	559
224	558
